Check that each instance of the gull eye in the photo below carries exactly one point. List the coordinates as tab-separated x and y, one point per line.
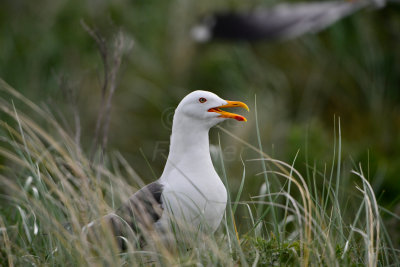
202	100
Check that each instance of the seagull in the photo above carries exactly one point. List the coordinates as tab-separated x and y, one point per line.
280	22
189	191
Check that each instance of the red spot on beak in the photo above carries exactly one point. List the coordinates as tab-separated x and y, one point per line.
239	118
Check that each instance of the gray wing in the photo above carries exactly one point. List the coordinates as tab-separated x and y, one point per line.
143	208
280	22
137	215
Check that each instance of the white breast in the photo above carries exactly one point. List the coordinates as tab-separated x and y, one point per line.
194	202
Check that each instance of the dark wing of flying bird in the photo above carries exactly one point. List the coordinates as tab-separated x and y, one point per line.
279	22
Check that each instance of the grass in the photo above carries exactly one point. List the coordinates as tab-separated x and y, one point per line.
327	217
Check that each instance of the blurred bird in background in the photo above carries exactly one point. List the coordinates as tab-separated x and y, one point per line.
279	22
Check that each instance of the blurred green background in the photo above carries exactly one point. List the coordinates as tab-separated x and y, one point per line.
351	71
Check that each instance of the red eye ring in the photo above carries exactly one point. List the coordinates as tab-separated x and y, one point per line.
202	100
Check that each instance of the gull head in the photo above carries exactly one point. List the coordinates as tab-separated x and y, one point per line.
205	109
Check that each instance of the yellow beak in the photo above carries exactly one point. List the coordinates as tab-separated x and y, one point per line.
231	104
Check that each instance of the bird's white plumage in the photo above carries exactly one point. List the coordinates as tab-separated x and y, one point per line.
189	196
193	192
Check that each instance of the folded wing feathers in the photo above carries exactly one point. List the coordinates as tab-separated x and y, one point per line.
138	213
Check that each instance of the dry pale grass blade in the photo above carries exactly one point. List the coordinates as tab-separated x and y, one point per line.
6	243
282	167
373	221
